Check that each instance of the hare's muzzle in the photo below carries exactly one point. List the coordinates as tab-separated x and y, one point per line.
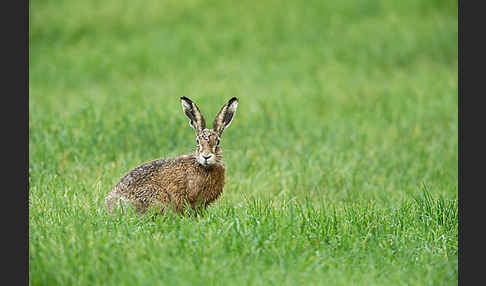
206	159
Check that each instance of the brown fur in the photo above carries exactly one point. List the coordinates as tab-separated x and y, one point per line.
187	179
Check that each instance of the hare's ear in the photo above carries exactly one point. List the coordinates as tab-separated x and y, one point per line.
225	115
192	111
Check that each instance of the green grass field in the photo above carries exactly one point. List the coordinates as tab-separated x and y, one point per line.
342	159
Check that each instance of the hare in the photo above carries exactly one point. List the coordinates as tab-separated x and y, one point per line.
196	179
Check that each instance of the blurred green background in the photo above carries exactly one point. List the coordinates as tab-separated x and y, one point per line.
341	102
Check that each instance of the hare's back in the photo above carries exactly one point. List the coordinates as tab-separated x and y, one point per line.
155	171
142	174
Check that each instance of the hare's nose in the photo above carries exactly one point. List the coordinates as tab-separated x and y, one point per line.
207	156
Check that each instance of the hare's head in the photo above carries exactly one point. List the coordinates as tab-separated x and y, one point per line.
208	151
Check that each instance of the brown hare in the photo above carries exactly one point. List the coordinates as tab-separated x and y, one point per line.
195	180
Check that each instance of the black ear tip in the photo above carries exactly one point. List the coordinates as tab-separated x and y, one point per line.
233	99
185	99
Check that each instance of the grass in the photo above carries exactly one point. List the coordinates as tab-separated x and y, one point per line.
342	161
